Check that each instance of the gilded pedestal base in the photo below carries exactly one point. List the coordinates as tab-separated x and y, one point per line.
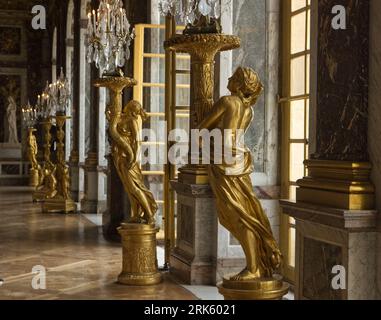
193	174
34	178
59	205
261	289
337	184
39	195
140	266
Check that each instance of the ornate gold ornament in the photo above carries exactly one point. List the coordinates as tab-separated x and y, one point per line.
238	208
139	234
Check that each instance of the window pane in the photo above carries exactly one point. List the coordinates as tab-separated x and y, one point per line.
308	29
297	119
292	192
308	74
298	76
297	4
298	33
307	117
153	40
291	247
182	62
154	70
296	161
154	99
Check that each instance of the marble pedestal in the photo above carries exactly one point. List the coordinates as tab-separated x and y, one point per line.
327	238
118	210
94	200
76	177
204	251
11	151
193	258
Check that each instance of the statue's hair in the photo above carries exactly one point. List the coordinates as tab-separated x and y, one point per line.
136	108
250	82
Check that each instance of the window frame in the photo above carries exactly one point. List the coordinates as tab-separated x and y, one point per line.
285	101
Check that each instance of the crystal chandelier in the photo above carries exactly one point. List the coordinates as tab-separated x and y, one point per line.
44	106
200	16
29	115
109	37
55	98
59	94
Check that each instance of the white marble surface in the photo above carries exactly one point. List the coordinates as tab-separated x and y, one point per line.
375	113
362	266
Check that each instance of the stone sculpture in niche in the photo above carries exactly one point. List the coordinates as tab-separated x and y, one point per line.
12	121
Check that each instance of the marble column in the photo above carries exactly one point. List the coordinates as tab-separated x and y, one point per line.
77	155
374	128
94	200
334	208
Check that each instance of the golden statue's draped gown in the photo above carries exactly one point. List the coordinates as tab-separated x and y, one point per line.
124	129
239	210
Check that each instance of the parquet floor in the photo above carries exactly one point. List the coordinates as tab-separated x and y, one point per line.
79	263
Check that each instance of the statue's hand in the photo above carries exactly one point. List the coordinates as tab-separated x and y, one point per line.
108	115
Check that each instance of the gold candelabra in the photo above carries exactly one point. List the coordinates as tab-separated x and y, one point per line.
46	185
139	233
58	198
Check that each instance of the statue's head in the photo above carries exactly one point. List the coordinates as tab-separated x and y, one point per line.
246	83
135	109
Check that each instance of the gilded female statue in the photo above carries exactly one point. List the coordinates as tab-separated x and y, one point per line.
32	151
50	180
238	208
124	131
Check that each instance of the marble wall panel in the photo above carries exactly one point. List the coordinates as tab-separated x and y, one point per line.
249	23
362	266
342	92
374	123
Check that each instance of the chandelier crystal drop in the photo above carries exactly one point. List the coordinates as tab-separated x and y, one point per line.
109	37
200	16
